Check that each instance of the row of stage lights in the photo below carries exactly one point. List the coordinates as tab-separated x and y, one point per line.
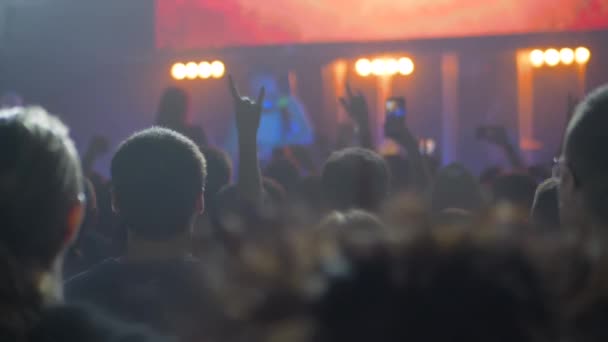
553	57
194	70
384	66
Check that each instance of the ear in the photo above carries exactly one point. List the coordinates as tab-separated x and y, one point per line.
200	204
75	217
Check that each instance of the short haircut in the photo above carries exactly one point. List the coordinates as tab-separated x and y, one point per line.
355	178
219	172
515	189
456	188
157	177
585	150
40	182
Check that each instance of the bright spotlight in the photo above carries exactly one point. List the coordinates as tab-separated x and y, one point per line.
406	66
191	70
178	71
582	55
392	66
217	69
204	70
552	57
363	67
378	67
566	55
537	58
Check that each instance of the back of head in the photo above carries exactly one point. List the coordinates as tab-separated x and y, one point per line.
158	177
41	198
40	183
545	209
284	171
455	188
584	148
173	108
435	290
515	189
355	178
219	171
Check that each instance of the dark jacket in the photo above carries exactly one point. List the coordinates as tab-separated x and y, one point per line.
74	324
168	296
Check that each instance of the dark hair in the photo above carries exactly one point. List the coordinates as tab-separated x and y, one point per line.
515	189
455	188
219	171
172	108
40	183
585	152
157	177
434	290
355	178
545	209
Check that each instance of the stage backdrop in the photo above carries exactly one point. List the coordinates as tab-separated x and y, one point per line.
190	24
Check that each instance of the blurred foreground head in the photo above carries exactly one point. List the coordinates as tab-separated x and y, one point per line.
583	167
355	178
158	177
436	286
41	207
41	186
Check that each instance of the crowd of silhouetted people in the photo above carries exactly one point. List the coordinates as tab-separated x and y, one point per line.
178	246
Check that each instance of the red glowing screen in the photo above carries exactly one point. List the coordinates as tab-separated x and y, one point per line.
186	24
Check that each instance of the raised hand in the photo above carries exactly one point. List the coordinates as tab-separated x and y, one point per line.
248	112
355	105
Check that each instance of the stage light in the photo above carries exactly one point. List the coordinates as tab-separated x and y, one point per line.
191	70
363	67
392	66
217	69
582	55
537	58
378	67
178	71
566	55
406	66
552	57
204	70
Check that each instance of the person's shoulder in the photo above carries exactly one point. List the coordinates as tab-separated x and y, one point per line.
94	277
71	324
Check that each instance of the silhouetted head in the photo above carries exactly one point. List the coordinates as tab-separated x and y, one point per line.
219	171
455	188
41	187
173	108
355	178
399	168
584	165
514	189
158	177
284	171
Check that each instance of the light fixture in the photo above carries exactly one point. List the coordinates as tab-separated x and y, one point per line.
384	66
552	57
565	56
197	70
537	58
363	67
582	55
178	71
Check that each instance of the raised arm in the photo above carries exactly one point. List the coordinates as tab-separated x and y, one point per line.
396	129
248	113
356	107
